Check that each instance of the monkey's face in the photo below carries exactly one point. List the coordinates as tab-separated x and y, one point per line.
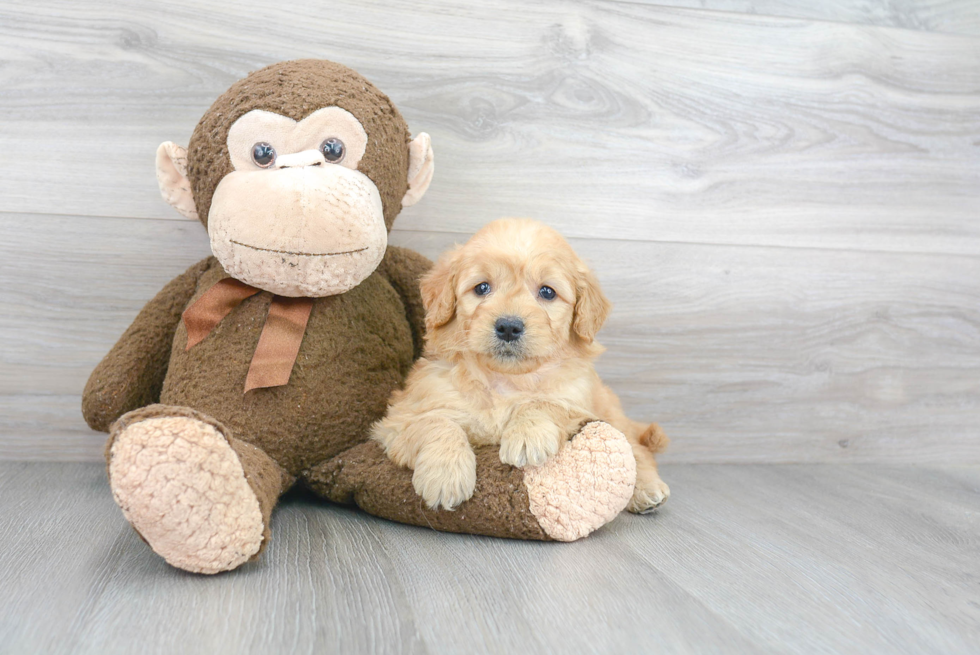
298	172
295	216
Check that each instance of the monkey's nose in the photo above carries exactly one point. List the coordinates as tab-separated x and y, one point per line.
300	159
509	328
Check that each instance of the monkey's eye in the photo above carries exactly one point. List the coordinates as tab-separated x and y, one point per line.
547	293
482	289
333	150
263	155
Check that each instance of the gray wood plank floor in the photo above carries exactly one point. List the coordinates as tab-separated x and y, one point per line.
744	559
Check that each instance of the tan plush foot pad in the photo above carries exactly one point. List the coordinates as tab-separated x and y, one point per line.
585	485
182	487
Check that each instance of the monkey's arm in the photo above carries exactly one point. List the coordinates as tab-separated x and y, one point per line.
131	375
403	268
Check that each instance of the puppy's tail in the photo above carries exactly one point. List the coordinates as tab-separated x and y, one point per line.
653	438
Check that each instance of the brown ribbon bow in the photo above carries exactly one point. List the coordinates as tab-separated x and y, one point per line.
282	334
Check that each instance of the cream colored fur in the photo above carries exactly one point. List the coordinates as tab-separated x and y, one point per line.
421	168
568	497
180	484
175	188
325	223
529	397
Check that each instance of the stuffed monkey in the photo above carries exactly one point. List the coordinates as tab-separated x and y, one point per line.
265	365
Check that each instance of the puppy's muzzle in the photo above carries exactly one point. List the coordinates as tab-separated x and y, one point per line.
509	329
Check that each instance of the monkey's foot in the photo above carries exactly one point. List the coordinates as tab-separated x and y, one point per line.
585	485
182	486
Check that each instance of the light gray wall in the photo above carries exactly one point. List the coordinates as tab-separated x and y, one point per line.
782	198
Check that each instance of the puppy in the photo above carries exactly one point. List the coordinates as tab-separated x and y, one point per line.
511	319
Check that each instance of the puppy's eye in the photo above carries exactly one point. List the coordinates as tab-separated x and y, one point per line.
482	289
263	155
547	293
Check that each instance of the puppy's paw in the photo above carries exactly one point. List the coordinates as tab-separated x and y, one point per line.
530	445
445	479
648	496
400	450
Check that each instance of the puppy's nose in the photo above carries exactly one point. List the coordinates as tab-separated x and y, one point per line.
509	328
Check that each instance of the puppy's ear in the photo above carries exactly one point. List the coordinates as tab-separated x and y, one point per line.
591	306
439	292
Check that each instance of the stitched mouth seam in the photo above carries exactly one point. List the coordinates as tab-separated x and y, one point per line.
301	254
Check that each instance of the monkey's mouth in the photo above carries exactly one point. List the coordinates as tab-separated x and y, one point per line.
300	254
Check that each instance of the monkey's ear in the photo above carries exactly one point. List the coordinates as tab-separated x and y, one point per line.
421	164
172	178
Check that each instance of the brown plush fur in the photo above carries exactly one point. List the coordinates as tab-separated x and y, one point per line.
365	476
358	347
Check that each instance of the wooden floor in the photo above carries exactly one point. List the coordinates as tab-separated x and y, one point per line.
744	559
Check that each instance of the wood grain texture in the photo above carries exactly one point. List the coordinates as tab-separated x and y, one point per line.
742	559
742	354
782	198
952	16
604	118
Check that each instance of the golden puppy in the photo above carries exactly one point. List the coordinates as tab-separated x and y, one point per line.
511	319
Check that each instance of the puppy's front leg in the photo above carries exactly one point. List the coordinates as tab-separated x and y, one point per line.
439	451
650	491
531	436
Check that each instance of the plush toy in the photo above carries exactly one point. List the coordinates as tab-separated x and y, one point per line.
265	365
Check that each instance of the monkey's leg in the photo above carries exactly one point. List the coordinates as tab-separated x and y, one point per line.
580	489
199	497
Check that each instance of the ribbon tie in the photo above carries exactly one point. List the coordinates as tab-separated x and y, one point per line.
282	334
